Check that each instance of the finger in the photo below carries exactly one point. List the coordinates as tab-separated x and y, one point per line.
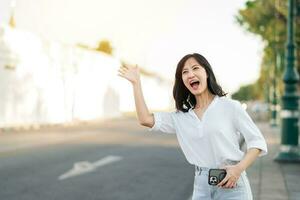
228	184
233	185
128	66
232	180
123	68
124	65
122	71
223	181
123	76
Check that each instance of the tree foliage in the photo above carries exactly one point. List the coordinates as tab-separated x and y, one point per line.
268	20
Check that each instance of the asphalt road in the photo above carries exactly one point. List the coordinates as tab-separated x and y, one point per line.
149	166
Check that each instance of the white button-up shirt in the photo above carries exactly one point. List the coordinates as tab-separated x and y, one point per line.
214	140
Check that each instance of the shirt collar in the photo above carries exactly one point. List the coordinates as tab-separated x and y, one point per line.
211	103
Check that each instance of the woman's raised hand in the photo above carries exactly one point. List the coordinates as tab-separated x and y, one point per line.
131	73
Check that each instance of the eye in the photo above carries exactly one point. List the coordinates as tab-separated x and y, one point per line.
183	72
196	68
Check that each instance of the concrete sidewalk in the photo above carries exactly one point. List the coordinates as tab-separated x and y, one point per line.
271	180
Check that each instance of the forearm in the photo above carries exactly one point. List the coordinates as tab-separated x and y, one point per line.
249	158
143	114
234	171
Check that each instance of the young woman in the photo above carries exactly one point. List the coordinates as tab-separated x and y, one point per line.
209	127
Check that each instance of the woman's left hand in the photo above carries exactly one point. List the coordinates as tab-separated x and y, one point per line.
232	176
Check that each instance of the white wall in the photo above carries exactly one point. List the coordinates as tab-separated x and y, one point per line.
56	83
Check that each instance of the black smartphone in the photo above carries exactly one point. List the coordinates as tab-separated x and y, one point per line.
215	176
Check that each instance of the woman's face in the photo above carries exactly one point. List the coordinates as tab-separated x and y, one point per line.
194	76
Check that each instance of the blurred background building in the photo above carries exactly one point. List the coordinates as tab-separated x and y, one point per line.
45	82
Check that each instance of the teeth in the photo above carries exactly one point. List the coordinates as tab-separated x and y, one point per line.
194	82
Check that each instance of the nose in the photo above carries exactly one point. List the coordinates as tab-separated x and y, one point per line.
190	74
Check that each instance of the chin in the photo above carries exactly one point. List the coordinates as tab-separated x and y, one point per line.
197	92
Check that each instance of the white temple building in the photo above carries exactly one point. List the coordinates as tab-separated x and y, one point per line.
45	82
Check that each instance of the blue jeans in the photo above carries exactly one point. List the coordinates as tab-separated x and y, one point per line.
204	191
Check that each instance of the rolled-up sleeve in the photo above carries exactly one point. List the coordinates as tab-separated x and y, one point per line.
245	125
164	122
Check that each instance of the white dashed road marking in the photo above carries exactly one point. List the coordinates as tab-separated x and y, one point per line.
84	167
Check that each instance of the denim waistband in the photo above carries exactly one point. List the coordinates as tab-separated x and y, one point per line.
204	170
201	170
197	168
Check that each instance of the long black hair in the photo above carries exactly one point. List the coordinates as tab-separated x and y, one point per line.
184	99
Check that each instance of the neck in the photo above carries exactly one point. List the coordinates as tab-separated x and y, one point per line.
203	100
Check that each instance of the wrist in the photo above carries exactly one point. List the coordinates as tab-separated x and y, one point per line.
137	82
240	167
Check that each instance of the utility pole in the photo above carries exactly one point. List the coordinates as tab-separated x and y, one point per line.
289	151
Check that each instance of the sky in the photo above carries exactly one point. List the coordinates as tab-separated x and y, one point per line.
154	34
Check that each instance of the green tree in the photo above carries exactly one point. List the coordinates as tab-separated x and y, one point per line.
245	93
267	19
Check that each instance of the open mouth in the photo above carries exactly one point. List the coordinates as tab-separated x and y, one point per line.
194	84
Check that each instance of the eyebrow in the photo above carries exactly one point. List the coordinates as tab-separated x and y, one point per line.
191	66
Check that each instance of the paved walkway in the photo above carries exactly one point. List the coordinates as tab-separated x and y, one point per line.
271	180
